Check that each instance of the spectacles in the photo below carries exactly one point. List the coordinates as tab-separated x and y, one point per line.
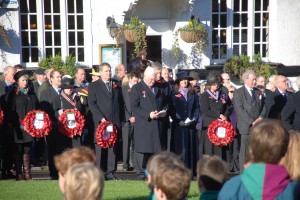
226	79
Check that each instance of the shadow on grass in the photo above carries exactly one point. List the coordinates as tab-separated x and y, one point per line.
133	198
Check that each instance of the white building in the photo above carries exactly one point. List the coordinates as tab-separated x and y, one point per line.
39	28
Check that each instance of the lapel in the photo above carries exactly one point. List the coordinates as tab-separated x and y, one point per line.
246	94
149	95
104	88
190	96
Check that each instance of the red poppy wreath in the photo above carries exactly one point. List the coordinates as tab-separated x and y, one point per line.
71	123
104	138
37	123
1	116
221	132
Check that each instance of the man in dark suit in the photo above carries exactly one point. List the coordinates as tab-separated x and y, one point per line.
44	85
106	104
147	100
128	128
6	139
40	79
249	108
46	103
277	100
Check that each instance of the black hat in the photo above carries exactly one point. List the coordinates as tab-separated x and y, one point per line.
67	83
19	74
195	75
212	79
40	71
182	75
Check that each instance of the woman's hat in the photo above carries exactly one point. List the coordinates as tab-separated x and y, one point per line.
19	74
182	75
67	83
212	79
94	73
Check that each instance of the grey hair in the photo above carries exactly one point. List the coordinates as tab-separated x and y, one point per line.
24	76
247	73
6	69
156	65
297	81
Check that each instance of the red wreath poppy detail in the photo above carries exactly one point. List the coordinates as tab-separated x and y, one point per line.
221	141
101	141
63	127
1	116
28	124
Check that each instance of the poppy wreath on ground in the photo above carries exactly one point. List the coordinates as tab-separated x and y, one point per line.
1	116
29	121
103	138
69	128
221	132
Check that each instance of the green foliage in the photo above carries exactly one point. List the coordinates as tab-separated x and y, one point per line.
67	67
237	65
140	45
201	34
4	36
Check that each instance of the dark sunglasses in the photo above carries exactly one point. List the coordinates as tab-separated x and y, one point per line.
231	91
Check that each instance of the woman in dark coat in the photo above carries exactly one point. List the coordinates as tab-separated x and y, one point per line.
214	106
185	112
20	101
66	100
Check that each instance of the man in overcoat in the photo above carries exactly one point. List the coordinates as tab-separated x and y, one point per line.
147	100
46	103
249	108
106	104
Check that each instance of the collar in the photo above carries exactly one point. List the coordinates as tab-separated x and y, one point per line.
281	91
39	82
248	88
56	89
130	86
7	84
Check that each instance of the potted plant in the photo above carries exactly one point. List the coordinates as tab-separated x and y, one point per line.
135	32
194	32
237	65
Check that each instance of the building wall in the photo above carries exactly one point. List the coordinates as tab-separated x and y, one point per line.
285	32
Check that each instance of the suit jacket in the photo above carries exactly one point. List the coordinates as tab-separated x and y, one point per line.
43	87
126	90
46	101
36	86
290	114
275	103
105	104
147	132
248	108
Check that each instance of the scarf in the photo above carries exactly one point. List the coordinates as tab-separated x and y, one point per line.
184	92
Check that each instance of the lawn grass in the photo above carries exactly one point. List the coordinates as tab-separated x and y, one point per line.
49	190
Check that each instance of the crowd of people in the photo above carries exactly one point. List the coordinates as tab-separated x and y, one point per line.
155	113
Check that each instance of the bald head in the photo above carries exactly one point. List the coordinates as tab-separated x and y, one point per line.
149	76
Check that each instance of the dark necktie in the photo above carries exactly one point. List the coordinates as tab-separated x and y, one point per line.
252	94
108	86
152	90
58	91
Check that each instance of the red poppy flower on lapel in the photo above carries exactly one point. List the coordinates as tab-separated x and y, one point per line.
129	90
114	86
159	81
144	93
178	95
257	94
210	97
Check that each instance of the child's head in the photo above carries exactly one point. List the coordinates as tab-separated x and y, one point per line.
268	142
211	173
168	175
71	157
84	181
291	159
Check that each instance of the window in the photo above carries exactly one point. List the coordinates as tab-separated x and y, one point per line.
29	32
51	27
239	27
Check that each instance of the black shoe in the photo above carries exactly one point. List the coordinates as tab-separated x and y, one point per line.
112	176
127	169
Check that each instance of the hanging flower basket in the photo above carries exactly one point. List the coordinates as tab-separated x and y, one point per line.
189	36
130	35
